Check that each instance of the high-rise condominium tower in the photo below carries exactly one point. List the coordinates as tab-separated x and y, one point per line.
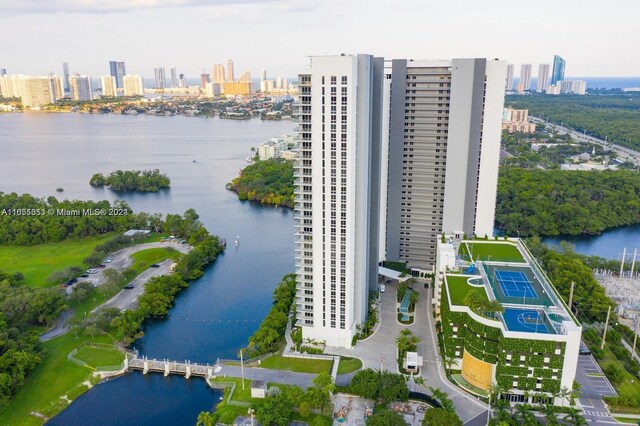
160	77
382	173
509	81
217	75
230	75
117	70
444	142
543	77
109	86
558	69
65	76
204	79
337	195
174	77
263	75
525	77
80	87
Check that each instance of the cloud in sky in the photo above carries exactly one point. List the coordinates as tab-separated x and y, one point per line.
105	6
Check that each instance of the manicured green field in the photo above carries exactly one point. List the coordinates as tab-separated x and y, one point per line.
145	258
497	252
99	357
39	261
626	420
348	365
458	289
54	377
299	365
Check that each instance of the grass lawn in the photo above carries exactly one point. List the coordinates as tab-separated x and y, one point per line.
98	357
39	261
348	365
300	365
626	420
313	419
498	251
145	258
54	377
458	288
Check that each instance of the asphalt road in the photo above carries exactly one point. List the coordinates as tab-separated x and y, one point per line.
624	153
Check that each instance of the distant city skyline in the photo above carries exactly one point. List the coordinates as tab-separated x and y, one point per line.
43	35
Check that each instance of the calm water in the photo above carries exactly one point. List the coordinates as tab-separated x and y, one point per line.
215	316
609	245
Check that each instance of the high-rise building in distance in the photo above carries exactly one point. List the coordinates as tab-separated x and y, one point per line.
246	76
58	88
117	70
543	77
65	76
182	81
133	85
525	77
382	173
509	81
109	86
230	75
558	69
263	75
160	79
204	79
80	87
174	77
217	75
36	91
3	71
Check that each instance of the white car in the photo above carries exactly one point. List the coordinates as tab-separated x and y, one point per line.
107	260
92	271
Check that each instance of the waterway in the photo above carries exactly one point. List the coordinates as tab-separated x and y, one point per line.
213	317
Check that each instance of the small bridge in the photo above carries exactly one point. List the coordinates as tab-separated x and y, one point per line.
186	369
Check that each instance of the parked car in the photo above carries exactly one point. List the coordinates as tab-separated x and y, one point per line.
107	260
72	281
155	265
101	266
128	286
92	271
84	276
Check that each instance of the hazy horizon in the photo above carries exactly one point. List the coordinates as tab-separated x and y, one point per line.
278	35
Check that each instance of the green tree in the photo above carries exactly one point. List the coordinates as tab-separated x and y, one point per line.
205	419
440	417
275	410
386	418
366	383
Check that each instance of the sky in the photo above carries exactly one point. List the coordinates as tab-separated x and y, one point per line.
596	38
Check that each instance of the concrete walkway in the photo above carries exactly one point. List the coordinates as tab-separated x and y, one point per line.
379	351
303	380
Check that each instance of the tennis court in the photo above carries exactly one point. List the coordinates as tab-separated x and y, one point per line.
515	284
527	320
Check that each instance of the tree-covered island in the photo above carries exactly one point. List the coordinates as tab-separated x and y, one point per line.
132	180
267	181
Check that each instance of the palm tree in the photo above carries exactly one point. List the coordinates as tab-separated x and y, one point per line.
564	393
525	415
443	398
503	413
550	415
205	419
449	361
496	389
573	417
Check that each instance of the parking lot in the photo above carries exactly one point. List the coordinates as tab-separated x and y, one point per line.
593	381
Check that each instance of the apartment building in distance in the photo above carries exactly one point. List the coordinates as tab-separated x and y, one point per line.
80	87
117	70
109	86
525	78
517	120
236	88
381	173
543	77
35	91
559	65
133	85
509	81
